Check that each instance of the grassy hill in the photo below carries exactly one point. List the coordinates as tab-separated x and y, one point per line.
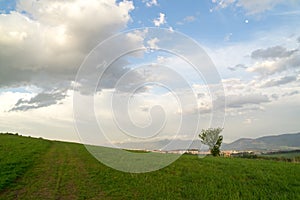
40	169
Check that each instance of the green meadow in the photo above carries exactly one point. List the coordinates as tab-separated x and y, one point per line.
41	169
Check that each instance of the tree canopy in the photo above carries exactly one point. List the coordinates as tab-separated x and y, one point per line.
213	139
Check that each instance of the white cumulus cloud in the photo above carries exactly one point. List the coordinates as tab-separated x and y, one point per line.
43	43
160	20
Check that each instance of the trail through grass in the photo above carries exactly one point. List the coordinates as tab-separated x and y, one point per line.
17	154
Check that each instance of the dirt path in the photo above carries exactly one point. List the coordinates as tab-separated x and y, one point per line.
61	173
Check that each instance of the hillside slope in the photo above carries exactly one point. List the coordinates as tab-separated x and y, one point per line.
276	142
67	171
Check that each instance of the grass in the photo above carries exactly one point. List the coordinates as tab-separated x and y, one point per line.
60	170
283	155
17	154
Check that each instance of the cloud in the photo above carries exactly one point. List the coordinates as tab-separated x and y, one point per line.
238	66
53	122
280	81
257	6
251	7
276	65
153	43
228	37
39	101
295	92
13	77
248	121
150	3
160	20
187	19
43	43
272	52
275	96
289	13
274	59
273	67
238	101
223	3
50	34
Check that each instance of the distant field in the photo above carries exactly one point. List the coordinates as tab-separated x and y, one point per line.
283	155
40	169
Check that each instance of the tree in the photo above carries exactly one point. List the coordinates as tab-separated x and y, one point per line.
213	139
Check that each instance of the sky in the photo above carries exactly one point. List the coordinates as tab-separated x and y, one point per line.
248	52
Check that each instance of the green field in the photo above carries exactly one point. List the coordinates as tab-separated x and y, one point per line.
283	155
40	169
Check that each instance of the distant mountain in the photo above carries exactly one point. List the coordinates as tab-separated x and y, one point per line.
276	142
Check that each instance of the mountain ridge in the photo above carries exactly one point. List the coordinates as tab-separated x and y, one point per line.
289	141
271	142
